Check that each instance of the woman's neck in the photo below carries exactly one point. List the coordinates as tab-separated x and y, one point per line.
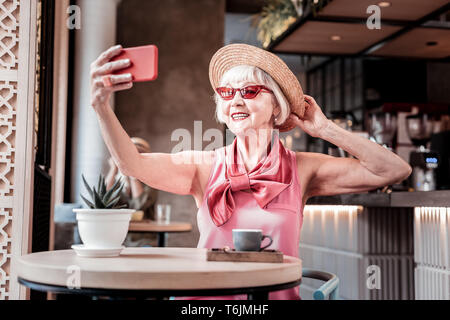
253	147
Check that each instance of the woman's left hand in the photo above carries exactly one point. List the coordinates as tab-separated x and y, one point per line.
313	121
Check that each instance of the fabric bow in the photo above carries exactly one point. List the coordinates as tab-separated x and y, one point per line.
271	176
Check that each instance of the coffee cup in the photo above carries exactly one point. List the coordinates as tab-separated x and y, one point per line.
249	239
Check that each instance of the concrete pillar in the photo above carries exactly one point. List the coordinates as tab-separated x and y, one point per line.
97	33
187	34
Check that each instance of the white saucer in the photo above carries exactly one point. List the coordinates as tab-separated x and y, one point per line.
84	251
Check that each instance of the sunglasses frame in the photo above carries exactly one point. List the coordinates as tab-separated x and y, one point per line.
260	88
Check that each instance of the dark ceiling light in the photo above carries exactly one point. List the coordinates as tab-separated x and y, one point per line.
432	43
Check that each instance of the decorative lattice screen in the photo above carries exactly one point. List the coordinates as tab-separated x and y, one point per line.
9	34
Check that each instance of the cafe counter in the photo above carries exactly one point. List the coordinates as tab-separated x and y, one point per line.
381	245
440	198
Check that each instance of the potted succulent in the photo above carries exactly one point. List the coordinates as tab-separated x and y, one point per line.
104	224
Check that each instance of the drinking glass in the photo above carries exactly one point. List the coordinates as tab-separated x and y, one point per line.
163	213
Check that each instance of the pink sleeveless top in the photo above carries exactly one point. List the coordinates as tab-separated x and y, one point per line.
282	220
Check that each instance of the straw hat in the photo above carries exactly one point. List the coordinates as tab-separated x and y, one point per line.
243	54
141	143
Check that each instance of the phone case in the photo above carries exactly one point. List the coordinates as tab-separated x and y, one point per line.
144	62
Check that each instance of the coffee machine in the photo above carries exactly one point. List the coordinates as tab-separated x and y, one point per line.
423	161
440	143
382	128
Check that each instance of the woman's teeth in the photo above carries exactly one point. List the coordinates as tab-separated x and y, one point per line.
239	116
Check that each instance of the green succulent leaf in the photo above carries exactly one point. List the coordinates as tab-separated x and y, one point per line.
87	187
108	194
99	182
115	197
88	202
98	201
102	197
99	187
116	194
102	188
112	203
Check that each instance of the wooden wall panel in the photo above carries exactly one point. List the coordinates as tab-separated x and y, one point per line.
17	85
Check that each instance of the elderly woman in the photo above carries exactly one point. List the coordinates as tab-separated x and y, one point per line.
255	182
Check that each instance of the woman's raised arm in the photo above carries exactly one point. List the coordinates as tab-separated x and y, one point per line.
373	167
168	172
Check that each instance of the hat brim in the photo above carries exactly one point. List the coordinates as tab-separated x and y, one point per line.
238	54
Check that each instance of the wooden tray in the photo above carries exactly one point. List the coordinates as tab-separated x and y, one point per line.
217	254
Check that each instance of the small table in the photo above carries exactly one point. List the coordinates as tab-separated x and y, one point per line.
160	228
155	272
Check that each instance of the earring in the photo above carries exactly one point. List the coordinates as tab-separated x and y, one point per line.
276	117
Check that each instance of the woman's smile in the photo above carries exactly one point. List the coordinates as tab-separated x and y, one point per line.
239	116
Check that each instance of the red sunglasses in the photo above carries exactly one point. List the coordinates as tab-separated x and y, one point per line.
248	92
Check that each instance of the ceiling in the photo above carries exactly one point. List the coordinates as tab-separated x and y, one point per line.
244	6
340	29
403	10
316	38
418	43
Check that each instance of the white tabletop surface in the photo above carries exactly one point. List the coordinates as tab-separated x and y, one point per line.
154	268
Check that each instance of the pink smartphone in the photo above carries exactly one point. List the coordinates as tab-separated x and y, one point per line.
144	62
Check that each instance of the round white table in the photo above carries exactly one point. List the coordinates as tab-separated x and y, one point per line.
154	272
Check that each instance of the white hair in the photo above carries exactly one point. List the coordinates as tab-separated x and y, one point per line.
254	74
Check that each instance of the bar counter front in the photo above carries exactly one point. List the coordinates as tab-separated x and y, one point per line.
393	246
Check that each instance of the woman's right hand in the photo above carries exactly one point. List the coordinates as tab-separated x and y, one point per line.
101	67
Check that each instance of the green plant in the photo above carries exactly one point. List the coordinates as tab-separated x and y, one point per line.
277	15
101	198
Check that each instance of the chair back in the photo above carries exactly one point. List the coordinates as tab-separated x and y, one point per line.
329	290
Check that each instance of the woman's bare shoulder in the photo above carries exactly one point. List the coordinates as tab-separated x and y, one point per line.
305	161
303	157
309	158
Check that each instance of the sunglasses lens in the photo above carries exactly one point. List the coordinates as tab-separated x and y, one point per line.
226	93
250	92
247	93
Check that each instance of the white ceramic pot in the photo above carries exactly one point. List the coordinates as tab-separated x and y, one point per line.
103	228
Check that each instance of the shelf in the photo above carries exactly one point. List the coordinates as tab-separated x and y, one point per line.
440	198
